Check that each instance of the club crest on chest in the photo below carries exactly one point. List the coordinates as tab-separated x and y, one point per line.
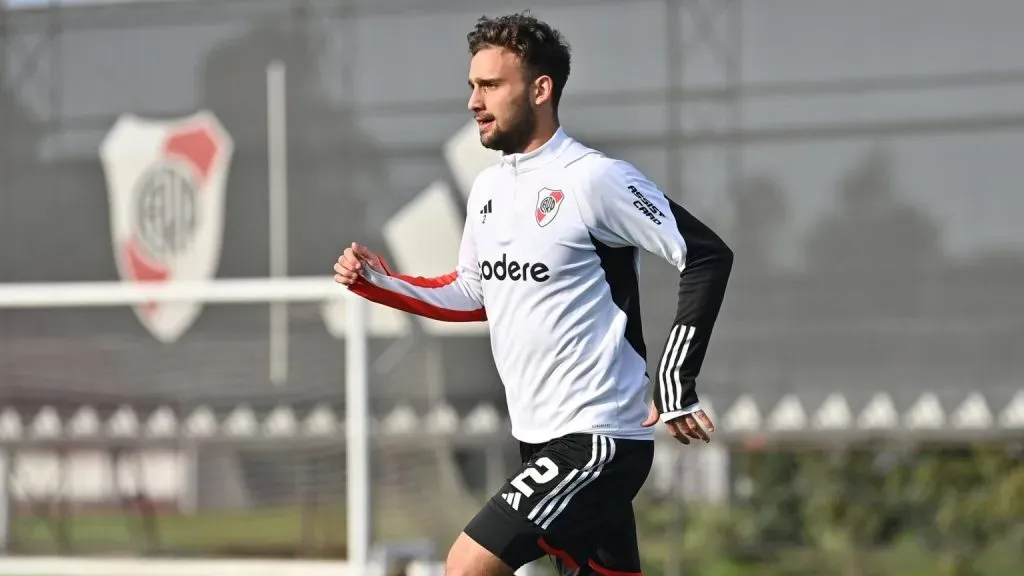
548	202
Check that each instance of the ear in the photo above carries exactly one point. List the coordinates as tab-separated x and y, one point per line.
543	90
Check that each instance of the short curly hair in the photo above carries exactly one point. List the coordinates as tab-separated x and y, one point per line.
542	49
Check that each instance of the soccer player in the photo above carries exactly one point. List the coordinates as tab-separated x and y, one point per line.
549	258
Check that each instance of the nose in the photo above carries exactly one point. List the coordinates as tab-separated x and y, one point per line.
475	103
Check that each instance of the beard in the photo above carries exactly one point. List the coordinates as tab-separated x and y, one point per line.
517	131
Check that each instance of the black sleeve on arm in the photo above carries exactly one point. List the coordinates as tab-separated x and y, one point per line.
702	286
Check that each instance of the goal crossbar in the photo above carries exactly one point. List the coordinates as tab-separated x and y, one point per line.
249	291
220	291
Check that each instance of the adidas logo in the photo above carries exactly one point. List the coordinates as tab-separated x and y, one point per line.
512	498
485	211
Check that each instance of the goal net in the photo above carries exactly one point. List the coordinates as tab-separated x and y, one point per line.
261	430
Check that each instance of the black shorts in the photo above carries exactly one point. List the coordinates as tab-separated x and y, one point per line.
573	500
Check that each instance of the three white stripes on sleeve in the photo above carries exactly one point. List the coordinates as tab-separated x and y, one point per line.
555	502
671	361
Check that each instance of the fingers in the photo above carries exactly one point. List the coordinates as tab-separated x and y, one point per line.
652	417
366	257
353	261
361	252
675	429
690	426
344	276
694	429
687	428
346	269
705	420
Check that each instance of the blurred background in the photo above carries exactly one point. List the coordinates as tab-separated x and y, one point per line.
863	160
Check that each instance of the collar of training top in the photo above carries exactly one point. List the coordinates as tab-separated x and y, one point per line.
539	157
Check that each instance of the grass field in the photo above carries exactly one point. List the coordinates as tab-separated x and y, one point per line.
284	530
290	531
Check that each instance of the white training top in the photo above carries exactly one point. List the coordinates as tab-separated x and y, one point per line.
549	259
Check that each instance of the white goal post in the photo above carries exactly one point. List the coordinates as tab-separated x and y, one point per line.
248	291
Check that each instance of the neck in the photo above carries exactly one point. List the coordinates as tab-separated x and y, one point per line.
545	131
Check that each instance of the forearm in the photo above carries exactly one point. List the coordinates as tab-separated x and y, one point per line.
442	298
702	285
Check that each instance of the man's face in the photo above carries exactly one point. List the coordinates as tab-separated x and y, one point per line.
500	100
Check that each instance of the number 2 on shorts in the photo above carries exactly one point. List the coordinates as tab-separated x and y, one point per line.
550	472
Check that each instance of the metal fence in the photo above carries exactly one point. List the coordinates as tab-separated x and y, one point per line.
860	158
